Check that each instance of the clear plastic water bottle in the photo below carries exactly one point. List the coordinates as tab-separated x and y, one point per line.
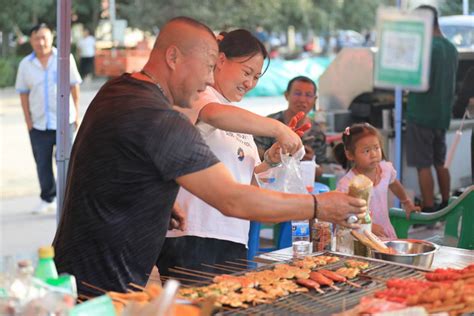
300	238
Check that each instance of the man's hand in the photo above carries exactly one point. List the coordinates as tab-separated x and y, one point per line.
178	218
29	125
336	207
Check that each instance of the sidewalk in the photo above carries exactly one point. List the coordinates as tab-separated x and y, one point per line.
21	233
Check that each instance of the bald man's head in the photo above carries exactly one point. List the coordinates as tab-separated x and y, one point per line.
184	56
183	32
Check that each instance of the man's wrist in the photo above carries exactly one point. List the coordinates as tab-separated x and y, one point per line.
315	206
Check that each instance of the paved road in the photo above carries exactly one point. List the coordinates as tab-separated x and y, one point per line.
21	233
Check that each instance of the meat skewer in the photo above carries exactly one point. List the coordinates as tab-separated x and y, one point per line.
337	277
311	284
322	280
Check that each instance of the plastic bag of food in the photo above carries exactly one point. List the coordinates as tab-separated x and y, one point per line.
286	177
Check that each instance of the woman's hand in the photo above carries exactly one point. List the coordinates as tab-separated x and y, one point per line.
274	153
178	218
289	136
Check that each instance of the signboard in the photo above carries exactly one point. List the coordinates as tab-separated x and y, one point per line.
404	49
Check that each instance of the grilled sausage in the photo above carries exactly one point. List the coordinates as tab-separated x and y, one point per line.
311	284
321	279
308	283
332	275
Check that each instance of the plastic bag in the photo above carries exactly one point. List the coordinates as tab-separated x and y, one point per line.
286	177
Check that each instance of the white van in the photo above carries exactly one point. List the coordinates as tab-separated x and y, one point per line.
459	29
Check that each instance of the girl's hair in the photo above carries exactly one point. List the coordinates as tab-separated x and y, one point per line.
350	137
241	43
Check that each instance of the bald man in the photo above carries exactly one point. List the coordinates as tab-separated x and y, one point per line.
130	156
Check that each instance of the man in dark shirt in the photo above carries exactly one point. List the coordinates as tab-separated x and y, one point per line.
133	151
428	117
301	96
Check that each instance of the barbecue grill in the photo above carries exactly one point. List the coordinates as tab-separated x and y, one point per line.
312	302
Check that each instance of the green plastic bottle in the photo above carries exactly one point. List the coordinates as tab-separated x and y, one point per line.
46	269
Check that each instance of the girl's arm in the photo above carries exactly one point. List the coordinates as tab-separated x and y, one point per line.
234	119
397	188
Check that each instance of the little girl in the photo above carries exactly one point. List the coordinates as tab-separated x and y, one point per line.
362	147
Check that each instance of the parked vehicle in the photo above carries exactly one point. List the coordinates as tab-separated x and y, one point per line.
459	29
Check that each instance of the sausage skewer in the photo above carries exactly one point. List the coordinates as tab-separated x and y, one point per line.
311	284
337	277
322	280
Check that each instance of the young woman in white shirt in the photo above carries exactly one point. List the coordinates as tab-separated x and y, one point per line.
211	237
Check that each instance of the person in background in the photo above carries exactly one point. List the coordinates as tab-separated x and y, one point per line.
36	83
86	50
301	94
428	116
362	147
212	237
465	101
133	152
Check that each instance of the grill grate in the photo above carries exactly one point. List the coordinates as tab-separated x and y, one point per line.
331	301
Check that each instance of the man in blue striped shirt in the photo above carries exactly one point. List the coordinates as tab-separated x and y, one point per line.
36	82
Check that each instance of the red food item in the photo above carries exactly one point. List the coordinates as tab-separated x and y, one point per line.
407	283
332	275
468	269
442	276
396	295
321	279
370	305
311	284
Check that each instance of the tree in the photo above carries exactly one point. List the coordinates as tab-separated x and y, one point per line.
87	12
451	7
21	15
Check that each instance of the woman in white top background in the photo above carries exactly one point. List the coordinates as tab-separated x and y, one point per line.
211	237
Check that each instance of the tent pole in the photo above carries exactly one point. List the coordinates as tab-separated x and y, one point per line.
398	130
63	144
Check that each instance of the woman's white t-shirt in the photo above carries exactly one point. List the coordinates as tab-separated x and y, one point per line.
238	152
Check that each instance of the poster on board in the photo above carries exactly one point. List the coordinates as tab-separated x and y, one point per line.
403	55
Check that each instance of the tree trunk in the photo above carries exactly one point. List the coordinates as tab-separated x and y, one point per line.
5	43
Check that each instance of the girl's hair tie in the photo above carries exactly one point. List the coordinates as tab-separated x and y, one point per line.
347	131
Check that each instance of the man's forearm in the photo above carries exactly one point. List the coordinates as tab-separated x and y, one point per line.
250	202
25	105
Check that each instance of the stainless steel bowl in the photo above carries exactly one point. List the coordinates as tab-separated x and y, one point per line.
411	251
